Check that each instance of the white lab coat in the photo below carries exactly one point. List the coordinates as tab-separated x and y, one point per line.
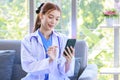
35	63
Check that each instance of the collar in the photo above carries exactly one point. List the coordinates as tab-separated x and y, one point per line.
36	35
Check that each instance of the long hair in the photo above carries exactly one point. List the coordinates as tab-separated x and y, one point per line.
43	9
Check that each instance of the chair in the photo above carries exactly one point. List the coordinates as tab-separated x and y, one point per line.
83	70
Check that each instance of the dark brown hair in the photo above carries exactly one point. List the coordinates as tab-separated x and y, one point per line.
43	9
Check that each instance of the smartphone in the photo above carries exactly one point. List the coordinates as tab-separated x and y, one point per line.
70	42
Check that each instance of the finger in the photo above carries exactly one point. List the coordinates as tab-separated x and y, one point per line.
52	47
70	52
68	48
49	48
67	53
55	46
73	50
68	59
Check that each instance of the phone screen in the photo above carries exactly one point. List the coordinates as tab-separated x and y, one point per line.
70	42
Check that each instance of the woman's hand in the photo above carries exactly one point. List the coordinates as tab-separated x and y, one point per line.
70	55
52	52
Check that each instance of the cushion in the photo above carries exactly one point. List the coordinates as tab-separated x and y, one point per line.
77	69
6	64
77	66
18	73
12	45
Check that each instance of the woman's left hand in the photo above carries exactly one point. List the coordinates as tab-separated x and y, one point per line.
69	54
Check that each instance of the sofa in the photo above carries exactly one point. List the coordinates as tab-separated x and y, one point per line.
10	63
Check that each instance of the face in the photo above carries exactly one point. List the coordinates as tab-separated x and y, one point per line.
50	20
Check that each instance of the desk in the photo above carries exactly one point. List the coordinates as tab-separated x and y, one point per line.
116	53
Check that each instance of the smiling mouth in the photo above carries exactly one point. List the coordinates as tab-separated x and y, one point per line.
50	25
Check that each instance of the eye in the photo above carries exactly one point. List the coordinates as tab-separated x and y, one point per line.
50	17
57	19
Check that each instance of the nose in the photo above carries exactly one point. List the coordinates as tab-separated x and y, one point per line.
53	21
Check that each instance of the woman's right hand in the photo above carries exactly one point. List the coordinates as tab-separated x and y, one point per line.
52	52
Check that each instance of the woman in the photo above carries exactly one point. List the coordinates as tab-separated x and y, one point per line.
42	51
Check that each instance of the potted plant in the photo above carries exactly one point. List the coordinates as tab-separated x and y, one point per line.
111	16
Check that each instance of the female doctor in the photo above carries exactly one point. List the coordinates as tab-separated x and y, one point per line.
42	51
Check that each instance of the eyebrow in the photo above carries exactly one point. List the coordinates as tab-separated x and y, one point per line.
53	15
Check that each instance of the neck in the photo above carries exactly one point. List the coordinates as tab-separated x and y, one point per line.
46	33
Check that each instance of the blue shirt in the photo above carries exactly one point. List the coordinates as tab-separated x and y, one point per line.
46	44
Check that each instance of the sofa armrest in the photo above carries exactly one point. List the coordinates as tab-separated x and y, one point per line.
90	72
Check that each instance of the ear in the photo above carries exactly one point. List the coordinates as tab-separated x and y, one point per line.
40	16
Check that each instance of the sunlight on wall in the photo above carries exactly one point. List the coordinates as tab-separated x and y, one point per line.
109	4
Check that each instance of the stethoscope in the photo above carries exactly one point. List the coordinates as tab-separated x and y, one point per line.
34	37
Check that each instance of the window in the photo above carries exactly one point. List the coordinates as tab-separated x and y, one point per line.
14	19
100	40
